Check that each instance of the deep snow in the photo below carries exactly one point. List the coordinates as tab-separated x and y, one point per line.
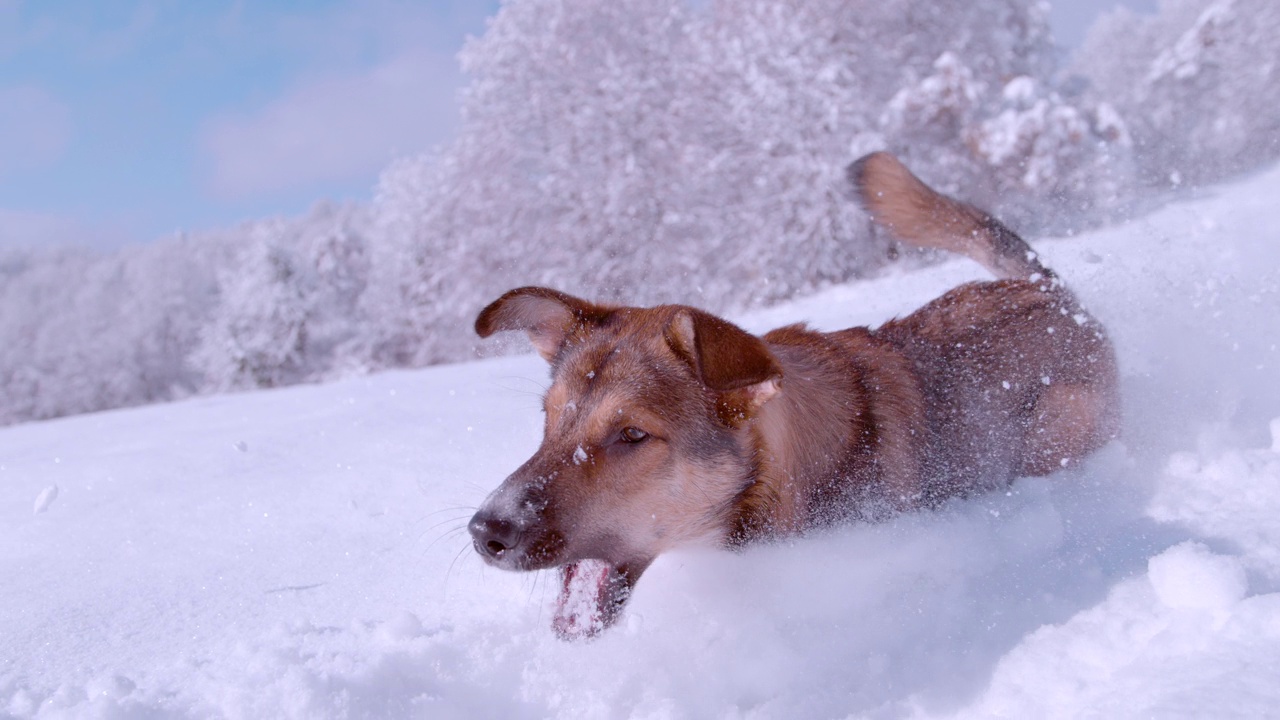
300	553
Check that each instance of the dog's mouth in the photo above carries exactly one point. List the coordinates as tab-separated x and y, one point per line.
592	593
592	590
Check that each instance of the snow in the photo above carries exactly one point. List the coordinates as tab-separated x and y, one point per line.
1189	576
302	552
579	609
1184	59
45	499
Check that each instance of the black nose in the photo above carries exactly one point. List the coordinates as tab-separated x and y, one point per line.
493	536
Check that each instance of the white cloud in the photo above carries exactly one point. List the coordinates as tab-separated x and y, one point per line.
37	230
379	80
35	129
338	127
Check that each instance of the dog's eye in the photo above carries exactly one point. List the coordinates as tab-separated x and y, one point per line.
633	435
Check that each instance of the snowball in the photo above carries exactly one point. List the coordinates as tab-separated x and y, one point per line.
110	686
45	499
404	626
22	703
1189	576
1021	89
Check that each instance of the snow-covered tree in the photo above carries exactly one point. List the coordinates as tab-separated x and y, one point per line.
650	151
1015	146
287	304
1198	84
84	331
658	151
258	338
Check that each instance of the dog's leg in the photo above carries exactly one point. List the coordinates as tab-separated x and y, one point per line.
1067	423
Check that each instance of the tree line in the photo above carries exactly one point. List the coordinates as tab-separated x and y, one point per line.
650	151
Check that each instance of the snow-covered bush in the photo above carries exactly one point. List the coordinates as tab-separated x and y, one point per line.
654	151
288	303
1015	146
81	331
1198	85
266	304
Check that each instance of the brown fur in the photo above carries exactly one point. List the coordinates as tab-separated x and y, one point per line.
668	426
900	202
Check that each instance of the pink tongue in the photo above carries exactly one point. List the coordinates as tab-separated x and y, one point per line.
589	601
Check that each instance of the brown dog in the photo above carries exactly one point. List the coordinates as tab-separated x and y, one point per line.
668	426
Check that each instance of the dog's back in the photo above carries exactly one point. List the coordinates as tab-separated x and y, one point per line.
1019	379
992	381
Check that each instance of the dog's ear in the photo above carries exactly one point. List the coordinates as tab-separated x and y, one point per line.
547	315
729	360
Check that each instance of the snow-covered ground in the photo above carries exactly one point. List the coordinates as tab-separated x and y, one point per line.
301	552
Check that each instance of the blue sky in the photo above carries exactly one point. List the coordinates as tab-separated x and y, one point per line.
129	120
125	121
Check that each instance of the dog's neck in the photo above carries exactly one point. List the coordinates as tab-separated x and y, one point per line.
796	441
815	444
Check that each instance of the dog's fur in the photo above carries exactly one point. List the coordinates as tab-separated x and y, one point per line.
668	426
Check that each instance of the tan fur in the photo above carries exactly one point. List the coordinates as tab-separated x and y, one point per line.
913	212
668	426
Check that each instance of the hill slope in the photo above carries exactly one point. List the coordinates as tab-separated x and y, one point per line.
300	553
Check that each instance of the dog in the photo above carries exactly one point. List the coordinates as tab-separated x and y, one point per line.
668	426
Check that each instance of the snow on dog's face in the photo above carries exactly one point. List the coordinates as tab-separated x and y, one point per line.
642	450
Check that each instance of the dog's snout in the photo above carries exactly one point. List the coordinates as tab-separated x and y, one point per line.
494	537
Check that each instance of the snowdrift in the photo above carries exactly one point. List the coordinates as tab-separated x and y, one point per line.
301	552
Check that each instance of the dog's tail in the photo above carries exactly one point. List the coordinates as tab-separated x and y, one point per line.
917	214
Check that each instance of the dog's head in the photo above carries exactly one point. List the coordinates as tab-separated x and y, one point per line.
643	448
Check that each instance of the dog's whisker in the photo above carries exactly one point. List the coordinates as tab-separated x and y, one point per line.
454	508
541	385
457	519
447	535
460	512
448	573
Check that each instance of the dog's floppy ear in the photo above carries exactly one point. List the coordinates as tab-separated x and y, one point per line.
548	316
729	360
